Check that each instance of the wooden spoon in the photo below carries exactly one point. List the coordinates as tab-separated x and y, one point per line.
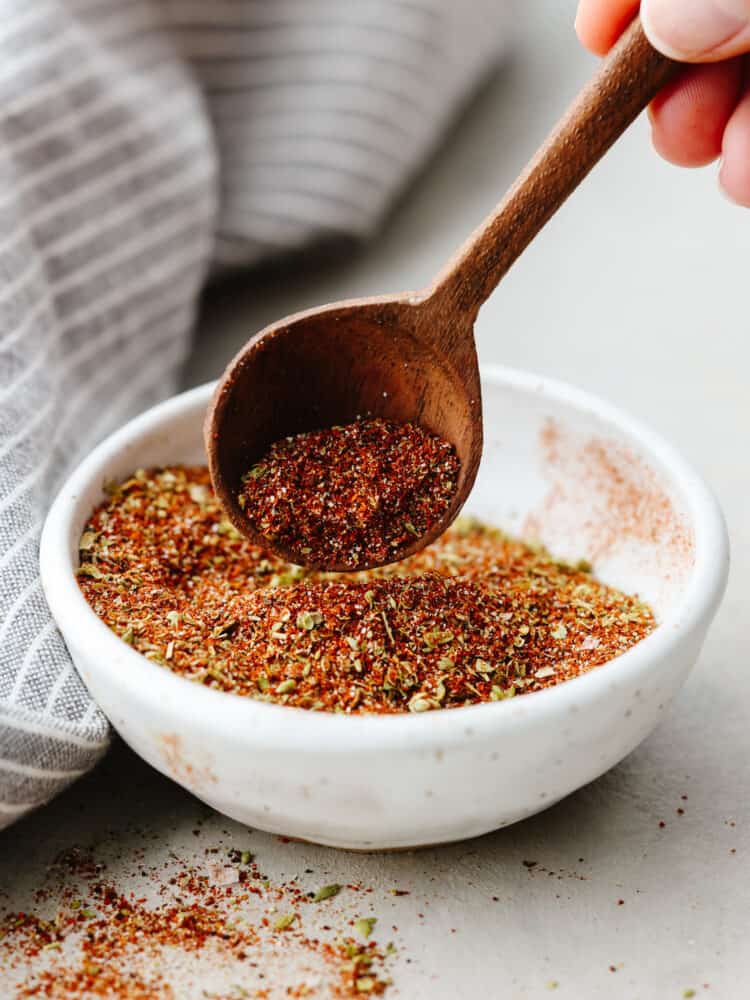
413	357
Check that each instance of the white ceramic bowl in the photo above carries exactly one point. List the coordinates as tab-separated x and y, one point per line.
579	474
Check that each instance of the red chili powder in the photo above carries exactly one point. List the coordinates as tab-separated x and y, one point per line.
353	495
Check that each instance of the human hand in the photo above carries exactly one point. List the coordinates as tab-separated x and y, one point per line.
705	113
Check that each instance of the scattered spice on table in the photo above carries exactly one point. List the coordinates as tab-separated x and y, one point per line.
477	616
182	935
351	495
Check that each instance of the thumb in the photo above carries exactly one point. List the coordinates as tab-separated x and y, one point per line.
698	30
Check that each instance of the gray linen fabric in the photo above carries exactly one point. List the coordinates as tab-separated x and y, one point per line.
142	142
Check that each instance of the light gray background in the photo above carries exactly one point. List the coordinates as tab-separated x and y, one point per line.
637	290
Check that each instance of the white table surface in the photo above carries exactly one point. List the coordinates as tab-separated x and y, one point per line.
638	290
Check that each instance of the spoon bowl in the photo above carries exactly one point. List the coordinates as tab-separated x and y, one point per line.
375	358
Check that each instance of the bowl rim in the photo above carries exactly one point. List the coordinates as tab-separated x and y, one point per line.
284	727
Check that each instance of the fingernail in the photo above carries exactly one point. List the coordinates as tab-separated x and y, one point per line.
687	29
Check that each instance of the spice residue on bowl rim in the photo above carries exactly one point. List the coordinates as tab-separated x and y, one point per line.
624	500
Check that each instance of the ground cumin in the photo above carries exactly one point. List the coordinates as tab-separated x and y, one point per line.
477	616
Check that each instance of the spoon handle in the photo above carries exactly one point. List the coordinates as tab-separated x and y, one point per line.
627	79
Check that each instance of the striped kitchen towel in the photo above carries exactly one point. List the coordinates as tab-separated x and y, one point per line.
142	143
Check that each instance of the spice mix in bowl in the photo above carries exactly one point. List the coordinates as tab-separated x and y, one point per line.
477	616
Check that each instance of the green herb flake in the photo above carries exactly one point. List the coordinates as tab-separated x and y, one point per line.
89	569
364	926
245	858
500	694
387	625
326	892
198	493
285	922
88	539
309	620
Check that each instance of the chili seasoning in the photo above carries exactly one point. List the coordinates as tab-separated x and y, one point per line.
351	495
476	616
212	929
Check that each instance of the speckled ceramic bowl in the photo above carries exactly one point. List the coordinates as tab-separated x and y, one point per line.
559	465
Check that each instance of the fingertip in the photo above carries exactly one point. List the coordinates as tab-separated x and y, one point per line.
586	30
599	23
689	117
734	174
697	31
676	154
735	189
